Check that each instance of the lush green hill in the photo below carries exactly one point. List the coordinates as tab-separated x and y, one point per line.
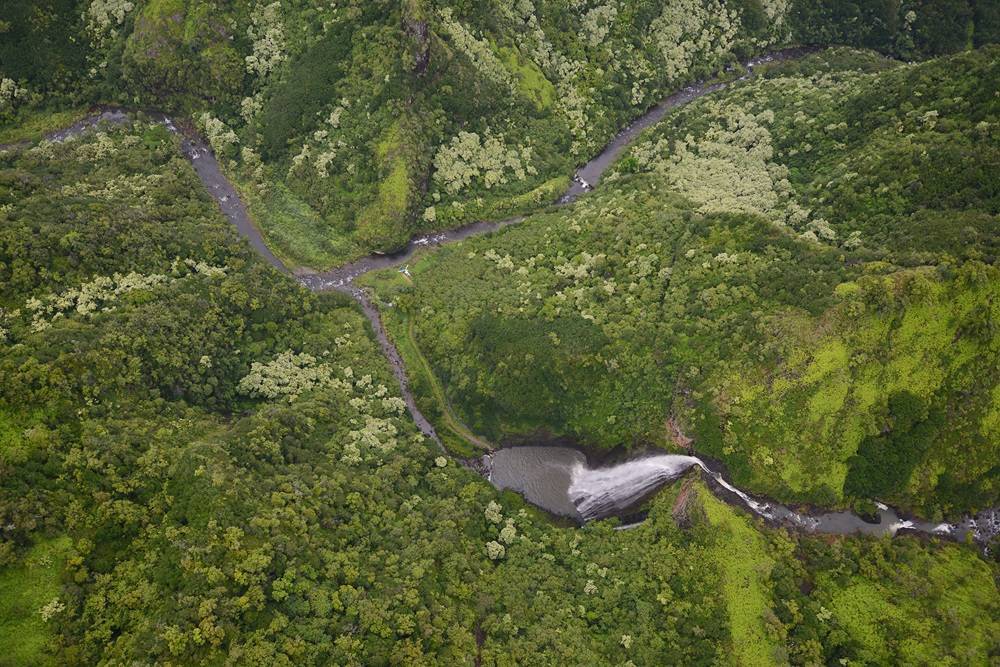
771	267
354	125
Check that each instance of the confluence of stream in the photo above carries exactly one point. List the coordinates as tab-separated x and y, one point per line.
557	479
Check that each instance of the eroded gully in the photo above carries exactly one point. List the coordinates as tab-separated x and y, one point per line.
557	479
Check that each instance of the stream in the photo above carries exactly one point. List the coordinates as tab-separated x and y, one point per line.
557	479
586	178
560	481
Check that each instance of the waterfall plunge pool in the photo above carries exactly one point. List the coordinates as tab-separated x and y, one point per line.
560	481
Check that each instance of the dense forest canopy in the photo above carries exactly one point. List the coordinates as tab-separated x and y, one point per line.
203	463
353	125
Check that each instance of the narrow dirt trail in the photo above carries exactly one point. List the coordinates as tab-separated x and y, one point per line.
451	418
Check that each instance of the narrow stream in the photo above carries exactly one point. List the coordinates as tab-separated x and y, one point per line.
557	479
586	179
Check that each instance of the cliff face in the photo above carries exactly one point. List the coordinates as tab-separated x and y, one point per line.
418	34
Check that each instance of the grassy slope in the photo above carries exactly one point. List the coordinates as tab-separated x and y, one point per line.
294	231
451	420
24	589
37	125
429	393
890	621
812	411
741	554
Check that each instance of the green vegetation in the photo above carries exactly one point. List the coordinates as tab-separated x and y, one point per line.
311	90
203	463
825	405
236	478
38	125
885	462
43	50
531	81
430	395
19	437
179	54
383	224
31	605
866	608
460	437
295	232
768	277
745	563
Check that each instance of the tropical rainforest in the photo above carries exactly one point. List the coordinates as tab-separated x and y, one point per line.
204	463
805	287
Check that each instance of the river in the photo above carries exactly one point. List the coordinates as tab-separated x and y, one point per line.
560	481
557	479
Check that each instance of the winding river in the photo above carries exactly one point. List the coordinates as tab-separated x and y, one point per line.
557	479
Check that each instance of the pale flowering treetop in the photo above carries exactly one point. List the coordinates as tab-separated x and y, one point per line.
469	158
100	294
478	51
104	17
494	512
268	34
495	550
11	94
286	376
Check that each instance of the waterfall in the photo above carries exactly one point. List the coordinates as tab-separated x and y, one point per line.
602	492
559	480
